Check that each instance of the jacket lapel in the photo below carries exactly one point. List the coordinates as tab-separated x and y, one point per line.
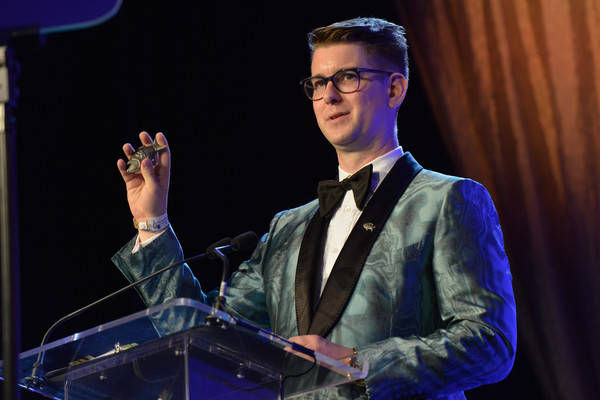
309	258
349	264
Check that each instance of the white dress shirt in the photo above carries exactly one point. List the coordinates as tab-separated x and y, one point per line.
344	218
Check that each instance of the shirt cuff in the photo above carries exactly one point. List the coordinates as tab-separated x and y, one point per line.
140	245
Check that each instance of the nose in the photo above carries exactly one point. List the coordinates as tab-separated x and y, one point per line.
331	95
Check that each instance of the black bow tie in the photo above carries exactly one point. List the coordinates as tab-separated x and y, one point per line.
332	192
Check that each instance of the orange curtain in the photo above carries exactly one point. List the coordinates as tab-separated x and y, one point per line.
515	88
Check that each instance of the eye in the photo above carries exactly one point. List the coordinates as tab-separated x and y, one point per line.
348	76
318	83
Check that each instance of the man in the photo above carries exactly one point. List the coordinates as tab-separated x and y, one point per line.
412	275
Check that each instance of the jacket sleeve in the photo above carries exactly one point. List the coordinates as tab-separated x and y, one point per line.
477	340
171	284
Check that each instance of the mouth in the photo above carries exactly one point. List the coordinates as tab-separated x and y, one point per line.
336	116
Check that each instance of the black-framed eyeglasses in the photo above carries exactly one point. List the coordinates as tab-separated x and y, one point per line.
345	81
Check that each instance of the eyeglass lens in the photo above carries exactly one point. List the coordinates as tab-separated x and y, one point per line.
344	81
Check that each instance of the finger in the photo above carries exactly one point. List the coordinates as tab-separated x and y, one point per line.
296	339
145	138
128	150
122	166
299	353
164	157
305	340
147	170
161	139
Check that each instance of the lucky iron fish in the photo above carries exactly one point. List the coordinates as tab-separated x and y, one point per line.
135	161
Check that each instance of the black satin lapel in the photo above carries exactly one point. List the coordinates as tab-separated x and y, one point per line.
307	269
349	263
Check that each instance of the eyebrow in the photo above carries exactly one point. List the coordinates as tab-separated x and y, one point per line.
326	76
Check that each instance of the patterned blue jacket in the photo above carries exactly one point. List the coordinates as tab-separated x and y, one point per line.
422	288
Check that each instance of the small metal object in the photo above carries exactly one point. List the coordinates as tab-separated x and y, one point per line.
369	226
241	372
135	161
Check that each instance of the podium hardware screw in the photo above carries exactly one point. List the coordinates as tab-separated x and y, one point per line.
240	373
102	377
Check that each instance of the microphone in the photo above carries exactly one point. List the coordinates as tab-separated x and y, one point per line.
245	241
239	243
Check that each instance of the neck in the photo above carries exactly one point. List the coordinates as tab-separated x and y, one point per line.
353	161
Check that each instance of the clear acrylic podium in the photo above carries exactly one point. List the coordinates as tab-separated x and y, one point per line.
180	350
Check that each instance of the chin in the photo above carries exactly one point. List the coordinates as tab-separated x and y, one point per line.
340	138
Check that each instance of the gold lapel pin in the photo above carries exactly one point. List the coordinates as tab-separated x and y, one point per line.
369	226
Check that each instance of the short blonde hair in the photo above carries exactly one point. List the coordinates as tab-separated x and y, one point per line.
378	36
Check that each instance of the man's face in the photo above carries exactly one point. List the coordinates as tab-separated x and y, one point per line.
361	121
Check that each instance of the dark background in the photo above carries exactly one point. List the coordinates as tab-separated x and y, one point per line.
220	79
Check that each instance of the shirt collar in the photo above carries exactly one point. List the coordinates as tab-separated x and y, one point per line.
381	166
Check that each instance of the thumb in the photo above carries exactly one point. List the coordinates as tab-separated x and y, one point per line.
147	170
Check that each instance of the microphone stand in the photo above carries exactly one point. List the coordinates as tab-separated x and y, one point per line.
219	303
26	36
9	246
219	250
244	241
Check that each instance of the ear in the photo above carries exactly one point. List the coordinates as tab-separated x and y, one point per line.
397	90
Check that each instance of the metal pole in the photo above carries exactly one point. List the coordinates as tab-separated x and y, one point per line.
8	231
